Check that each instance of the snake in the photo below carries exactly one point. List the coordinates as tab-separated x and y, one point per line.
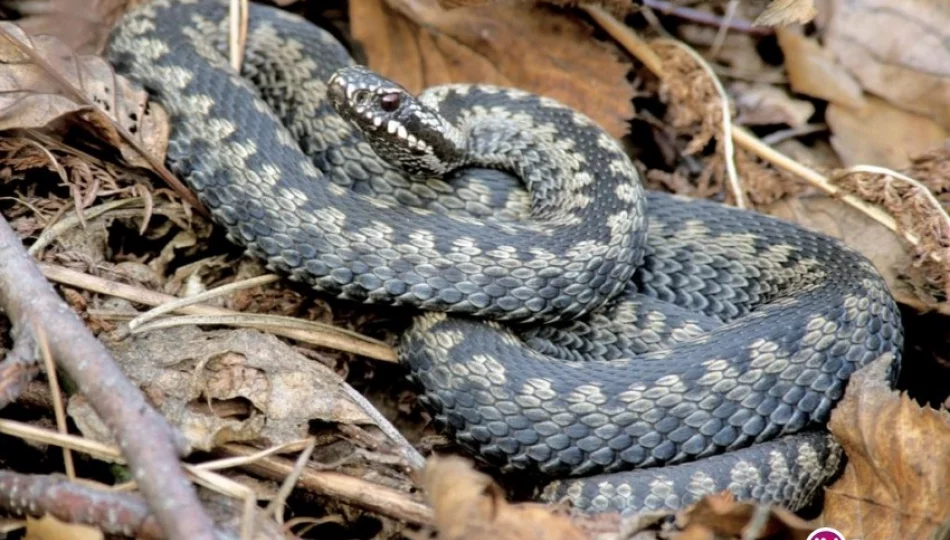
625	349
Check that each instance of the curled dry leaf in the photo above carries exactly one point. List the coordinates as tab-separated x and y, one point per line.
469	505
813	71
898	50
43	84
720	516
419	44
227	386
895	483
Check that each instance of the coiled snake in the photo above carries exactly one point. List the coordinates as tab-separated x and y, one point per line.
654	348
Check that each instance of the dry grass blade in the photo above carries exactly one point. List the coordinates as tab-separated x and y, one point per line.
70	221
728	151
261	321
202	297
919	215
237	32
58	408
298	329
43	83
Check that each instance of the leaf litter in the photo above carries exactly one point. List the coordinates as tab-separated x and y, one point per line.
841	93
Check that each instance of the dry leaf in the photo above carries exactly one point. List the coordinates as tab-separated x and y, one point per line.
42	82
50	528
882	247
469	505
229	385
899	50
881	134
419	44
813	71
720	516
737	51
783	12
895	484
82	25
762	104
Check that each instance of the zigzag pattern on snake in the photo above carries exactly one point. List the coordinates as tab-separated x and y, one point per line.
686	347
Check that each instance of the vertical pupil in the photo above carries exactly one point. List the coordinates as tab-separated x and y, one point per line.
389	102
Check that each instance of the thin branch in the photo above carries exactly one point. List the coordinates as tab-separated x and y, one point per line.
28	298
629	39
113	513
723	30
340	339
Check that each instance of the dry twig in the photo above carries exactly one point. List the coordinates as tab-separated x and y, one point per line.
28	300
110	512
380	499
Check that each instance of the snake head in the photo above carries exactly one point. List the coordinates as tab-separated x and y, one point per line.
399	127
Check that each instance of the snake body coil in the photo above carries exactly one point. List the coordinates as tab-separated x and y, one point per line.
687	348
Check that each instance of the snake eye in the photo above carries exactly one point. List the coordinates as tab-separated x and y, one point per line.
389	102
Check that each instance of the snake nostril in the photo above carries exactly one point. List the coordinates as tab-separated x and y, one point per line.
360	96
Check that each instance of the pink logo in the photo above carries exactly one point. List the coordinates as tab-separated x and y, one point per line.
825	533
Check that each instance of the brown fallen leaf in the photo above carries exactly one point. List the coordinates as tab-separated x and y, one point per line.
897	49
813	71
44	84
258	387
759	104
469	505
720	516
82	25
881	134
419	44
783	12
895	483
883	248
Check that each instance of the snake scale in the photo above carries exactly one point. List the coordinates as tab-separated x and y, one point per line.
635	350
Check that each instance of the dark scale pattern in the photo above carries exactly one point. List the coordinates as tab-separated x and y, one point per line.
716	365
738	329
356	246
